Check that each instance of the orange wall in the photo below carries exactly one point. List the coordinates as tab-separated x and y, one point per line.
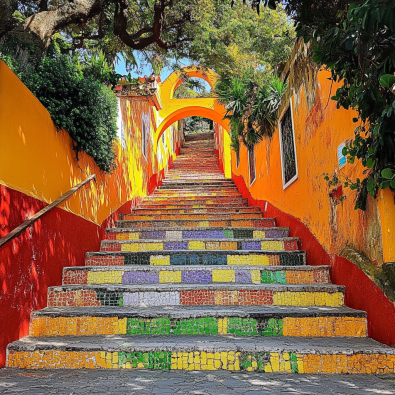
319	129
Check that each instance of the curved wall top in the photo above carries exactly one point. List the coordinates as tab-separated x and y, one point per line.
176	109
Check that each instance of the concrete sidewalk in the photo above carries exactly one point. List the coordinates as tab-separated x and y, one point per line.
121	382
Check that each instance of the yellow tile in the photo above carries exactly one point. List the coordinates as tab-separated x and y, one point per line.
256	276
272	245
259	234
224	276
196	245
204	224
105	277
160	260
167	276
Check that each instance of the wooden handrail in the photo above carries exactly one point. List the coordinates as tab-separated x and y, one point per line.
45	210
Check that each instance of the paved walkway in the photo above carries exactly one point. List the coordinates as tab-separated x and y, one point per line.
121	382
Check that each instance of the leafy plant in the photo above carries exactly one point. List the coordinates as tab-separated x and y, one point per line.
250	108
78	102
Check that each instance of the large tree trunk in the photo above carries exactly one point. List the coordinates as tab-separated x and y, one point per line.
34	35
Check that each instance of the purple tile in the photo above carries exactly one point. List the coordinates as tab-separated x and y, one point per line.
251	245
176	246
243	276
152	235
202	234
196	276
139	277
274	234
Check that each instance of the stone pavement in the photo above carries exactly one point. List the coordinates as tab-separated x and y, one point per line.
120	382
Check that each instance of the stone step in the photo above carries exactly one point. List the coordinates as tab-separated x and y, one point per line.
197	190
192	199
179	202
193	195
83	275
190	205
199	257
285	244
184	234
257	222
149	295
195	216
218	210
199	321
266	354
168	184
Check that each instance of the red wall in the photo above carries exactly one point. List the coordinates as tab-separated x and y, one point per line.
34	260
361	292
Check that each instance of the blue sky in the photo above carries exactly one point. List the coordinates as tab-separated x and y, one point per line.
143	69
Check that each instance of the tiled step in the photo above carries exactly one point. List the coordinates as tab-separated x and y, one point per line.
191	205
177	233
226	294
268	354
218	201
195	199
285	244
195	184
207	223
218	210
195	275
195	216
200	257
196	191
192	320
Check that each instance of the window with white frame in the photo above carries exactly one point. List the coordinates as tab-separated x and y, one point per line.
289	164
251	163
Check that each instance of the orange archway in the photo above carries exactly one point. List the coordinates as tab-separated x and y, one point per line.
176	109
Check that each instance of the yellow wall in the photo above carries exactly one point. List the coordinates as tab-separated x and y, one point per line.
176	109
39	161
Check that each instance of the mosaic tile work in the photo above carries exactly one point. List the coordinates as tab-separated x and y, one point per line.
198	258
199	234
264	362
141	217
270	245
288	326
189	276
209	223
158	296
201	296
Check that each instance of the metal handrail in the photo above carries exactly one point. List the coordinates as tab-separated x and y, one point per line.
45	210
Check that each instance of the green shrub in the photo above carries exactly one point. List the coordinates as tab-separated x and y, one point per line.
79	103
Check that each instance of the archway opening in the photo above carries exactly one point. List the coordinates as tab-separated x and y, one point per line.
193	88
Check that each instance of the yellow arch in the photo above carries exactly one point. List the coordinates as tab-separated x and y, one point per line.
176	109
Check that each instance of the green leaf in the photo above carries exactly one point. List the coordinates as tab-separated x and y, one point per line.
387	173
393	183
387	80
385	184
370	163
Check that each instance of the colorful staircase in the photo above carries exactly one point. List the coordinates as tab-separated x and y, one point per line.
194	279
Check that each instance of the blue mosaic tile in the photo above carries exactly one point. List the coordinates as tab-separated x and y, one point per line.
243	276
176	246
275	234
203	234
152	235
138	277
251	245
196	276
